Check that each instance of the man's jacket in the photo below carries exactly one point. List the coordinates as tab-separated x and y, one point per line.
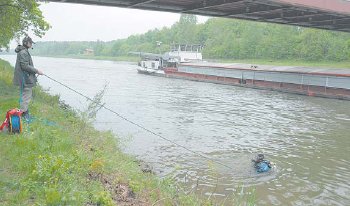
24	70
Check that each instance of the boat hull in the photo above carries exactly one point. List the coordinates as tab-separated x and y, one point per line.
281	86
152	72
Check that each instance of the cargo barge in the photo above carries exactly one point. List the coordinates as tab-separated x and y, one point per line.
186	63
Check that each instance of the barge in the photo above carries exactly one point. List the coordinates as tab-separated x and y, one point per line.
186	63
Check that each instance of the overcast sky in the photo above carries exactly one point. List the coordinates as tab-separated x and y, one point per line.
75	22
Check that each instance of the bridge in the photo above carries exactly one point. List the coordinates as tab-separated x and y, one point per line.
322	14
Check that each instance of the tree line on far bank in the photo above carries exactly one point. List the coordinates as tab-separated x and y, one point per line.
223	39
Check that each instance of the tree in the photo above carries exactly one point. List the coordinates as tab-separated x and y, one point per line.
223	38
185	29
18	17
188	19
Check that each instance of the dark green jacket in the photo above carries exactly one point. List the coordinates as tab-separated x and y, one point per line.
24	69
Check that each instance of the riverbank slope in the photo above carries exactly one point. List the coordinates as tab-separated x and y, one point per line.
60	159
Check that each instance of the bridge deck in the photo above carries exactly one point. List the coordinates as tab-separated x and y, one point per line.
323	14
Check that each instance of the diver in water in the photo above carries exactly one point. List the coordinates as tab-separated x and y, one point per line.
260	164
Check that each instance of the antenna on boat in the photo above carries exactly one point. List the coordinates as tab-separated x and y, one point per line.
158	45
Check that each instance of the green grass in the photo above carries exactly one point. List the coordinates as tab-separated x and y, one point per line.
321	64
54	164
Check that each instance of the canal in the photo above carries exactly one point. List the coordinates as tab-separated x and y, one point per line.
306	137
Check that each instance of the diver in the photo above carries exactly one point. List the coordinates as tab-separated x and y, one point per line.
260	164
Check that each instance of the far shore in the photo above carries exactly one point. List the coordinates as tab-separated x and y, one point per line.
278	62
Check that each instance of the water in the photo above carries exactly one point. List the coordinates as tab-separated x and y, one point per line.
306	137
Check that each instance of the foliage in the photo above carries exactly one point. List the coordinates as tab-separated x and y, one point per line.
17	17
223	39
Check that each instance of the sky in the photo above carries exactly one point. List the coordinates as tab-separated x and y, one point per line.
75	22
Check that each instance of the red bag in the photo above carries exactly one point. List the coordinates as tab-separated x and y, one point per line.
13	121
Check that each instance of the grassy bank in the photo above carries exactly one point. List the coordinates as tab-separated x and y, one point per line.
321	64
60	159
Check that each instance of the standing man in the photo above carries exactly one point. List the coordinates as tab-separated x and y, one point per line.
24	75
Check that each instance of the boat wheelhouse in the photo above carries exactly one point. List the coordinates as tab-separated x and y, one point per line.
186	53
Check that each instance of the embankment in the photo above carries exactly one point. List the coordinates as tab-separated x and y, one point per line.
60	159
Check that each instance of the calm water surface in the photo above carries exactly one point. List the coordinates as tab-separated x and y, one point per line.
307	138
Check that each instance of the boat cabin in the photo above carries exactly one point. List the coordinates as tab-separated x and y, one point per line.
151	61
186	52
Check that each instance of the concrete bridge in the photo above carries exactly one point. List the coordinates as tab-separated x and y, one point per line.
322	14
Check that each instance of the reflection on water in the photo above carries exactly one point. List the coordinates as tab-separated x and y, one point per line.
307	138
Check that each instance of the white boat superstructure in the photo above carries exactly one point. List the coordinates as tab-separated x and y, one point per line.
154	64
186	53
151	64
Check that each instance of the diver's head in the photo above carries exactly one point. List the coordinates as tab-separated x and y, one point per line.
260	157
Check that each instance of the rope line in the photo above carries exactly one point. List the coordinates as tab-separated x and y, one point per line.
138	125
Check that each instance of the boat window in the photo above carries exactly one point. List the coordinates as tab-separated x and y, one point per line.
153	65
194	48
175	48
171	64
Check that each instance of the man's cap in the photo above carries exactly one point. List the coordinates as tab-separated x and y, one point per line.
26	40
